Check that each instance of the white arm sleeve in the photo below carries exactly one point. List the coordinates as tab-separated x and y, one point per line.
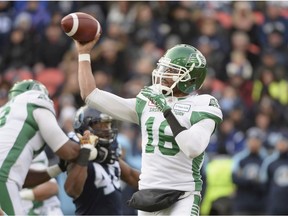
113	105
51	132
200	134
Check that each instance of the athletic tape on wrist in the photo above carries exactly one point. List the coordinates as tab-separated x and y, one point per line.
54	170
84	57
27	194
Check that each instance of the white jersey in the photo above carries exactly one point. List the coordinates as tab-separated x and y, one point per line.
50	206
21	139
164	165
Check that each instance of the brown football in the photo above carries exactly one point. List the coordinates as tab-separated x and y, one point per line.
81	26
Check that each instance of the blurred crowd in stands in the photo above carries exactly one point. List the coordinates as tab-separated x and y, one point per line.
246	47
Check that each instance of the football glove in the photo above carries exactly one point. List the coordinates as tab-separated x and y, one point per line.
89	141
106	155
158	99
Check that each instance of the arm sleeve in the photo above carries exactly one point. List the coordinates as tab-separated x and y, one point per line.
113	105
195	140
51	132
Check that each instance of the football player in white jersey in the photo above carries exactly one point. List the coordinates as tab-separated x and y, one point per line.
27	122
176	125
42	199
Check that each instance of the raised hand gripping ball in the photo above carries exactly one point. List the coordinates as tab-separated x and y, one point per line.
81	26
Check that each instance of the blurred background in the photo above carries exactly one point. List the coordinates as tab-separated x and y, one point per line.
246	47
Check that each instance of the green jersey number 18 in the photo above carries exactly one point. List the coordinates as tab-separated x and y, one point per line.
163	138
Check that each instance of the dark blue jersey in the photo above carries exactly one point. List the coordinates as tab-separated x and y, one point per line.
101	194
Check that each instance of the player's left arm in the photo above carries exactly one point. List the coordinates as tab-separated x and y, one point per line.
200	133
194	140
128	174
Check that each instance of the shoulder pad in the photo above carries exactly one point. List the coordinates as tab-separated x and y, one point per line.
37	98
206	100
208	104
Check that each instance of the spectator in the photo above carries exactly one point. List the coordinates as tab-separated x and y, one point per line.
6	23
146	26
228	140
219	186
243	19
123	13
182	24
249	198
110	57
274	176
17	52
274	19
55	44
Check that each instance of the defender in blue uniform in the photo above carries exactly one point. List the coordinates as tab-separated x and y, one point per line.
95	188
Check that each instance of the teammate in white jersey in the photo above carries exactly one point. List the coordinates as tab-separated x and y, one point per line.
42	199
176	126
27	122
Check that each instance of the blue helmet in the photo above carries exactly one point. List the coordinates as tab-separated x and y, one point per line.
98	123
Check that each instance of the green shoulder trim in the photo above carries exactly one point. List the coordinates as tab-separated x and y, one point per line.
198	116
140	104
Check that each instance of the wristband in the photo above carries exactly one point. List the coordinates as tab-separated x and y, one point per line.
84	57
27	194
173	122
83	157
53	171
93	151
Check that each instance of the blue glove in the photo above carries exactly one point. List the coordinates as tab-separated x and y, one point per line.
155	97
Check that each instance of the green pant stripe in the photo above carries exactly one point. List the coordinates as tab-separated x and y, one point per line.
196	205
5	200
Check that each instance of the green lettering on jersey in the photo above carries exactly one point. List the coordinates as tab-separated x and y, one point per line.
3	115
214	102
